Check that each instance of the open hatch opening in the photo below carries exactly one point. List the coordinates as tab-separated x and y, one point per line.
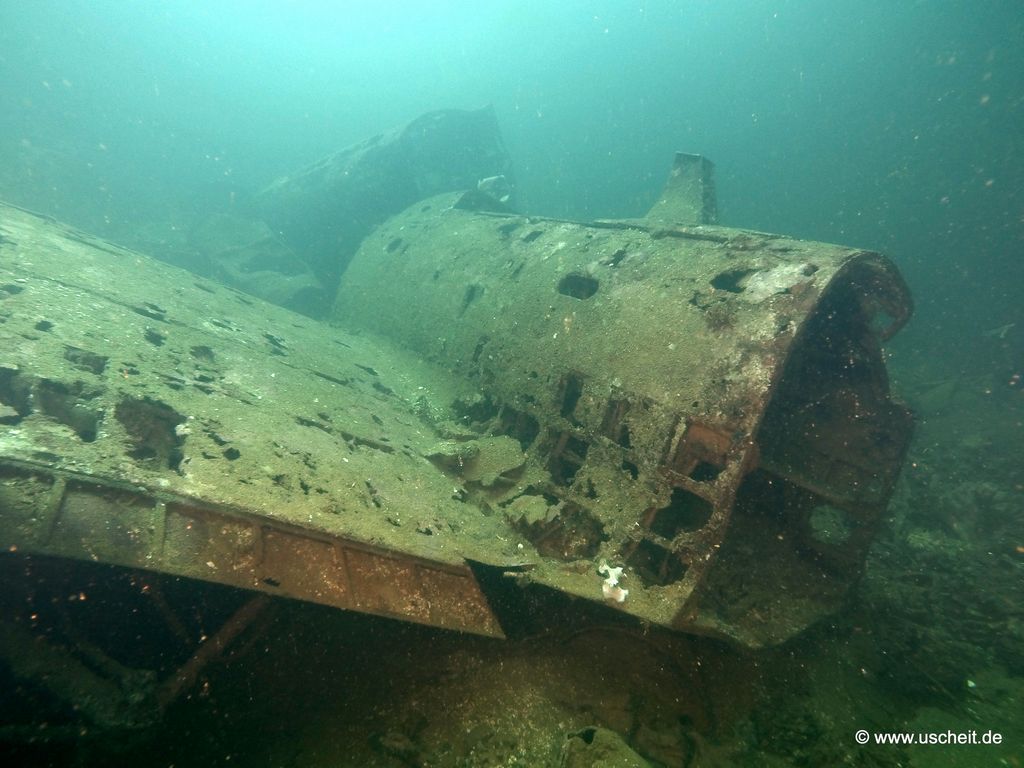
832	434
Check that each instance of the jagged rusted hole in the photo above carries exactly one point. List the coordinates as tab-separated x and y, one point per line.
578	286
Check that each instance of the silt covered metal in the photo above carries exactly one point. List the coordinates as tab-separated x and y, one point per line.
706	407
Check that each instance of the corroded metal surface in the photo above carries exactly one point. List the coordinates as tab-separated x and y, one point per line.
153	419
689	422
704	406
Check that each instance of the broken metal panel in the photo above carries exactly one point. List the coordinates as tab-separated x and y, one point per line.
153	419
99	522
679	383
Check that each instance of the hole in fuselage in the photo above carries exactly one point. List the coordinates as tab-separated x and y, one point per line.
578	286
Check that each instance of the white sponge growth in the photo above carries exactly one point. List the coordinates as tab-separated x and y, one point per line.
610	587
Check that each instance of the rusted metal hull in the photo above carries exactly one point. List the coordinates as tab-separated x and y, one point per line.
704	408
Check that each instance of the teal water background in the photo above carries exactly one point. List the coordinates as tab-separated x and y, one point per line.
889	125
